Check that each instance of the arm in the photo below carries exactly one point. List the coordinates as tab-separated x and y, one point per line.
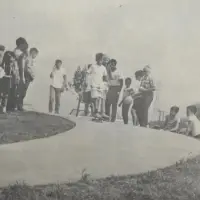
121	84
165	123
65	85
65	79
141	89
21	64
105	75
176	127
121	102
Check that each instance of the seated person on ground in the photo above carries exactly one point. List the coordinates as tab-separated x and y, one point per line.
193	128
171	121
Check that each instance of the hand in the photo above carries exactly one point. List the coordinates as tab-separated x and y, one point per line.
22	81
62	89
51	75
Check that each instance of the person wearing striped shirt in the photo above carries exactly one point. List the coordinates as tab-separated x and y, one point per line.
147	88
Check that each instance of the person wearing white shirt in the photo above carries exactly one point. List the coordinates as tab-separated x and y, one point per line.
193	122
57	86
98	75
115	85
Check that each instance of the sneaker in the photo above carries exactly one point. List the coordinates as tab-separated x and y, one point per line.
20	109
57	112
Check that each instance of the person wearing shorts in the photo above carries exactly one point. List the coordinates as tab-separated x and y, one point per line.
98	75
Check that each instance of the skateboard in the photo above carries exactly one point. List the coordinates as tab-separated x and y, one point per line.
97	119
100	119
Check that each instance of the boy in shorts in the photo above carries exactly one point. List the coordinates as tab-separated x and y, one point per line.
98	75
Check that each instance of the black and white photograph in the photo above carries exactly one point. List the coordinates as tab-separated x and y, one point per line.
99	100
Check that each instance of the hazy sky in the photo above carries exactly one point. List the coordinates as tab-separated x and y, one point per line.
162	33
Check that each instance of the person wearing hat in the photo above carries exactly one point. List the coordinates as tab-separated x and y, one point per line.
147	88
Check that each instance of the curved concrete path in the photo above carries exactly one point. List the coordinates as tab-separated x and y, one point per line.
102	149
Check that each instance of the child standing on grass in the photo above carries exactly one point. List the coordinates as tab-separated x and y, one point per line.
21	53
9	83
58	85
98	75
127	100
29	75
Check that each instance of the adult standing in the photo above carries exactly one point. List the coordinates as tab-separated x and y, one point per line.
21	53
136	110
115	86
147	88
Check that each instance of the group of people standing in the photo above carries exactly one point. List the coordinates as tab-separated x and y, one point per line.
16	73
102	83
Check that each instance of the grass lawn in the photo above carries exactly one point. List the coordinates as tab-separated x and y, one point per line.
178	182
22	126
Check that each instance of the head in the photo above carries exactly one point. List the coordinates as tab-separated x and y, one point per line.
106	60
22	44
78	68
128	82
58	64
99	58
191	110
33	52
9	57
139	74
174	110
90	65
113	64
147	70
